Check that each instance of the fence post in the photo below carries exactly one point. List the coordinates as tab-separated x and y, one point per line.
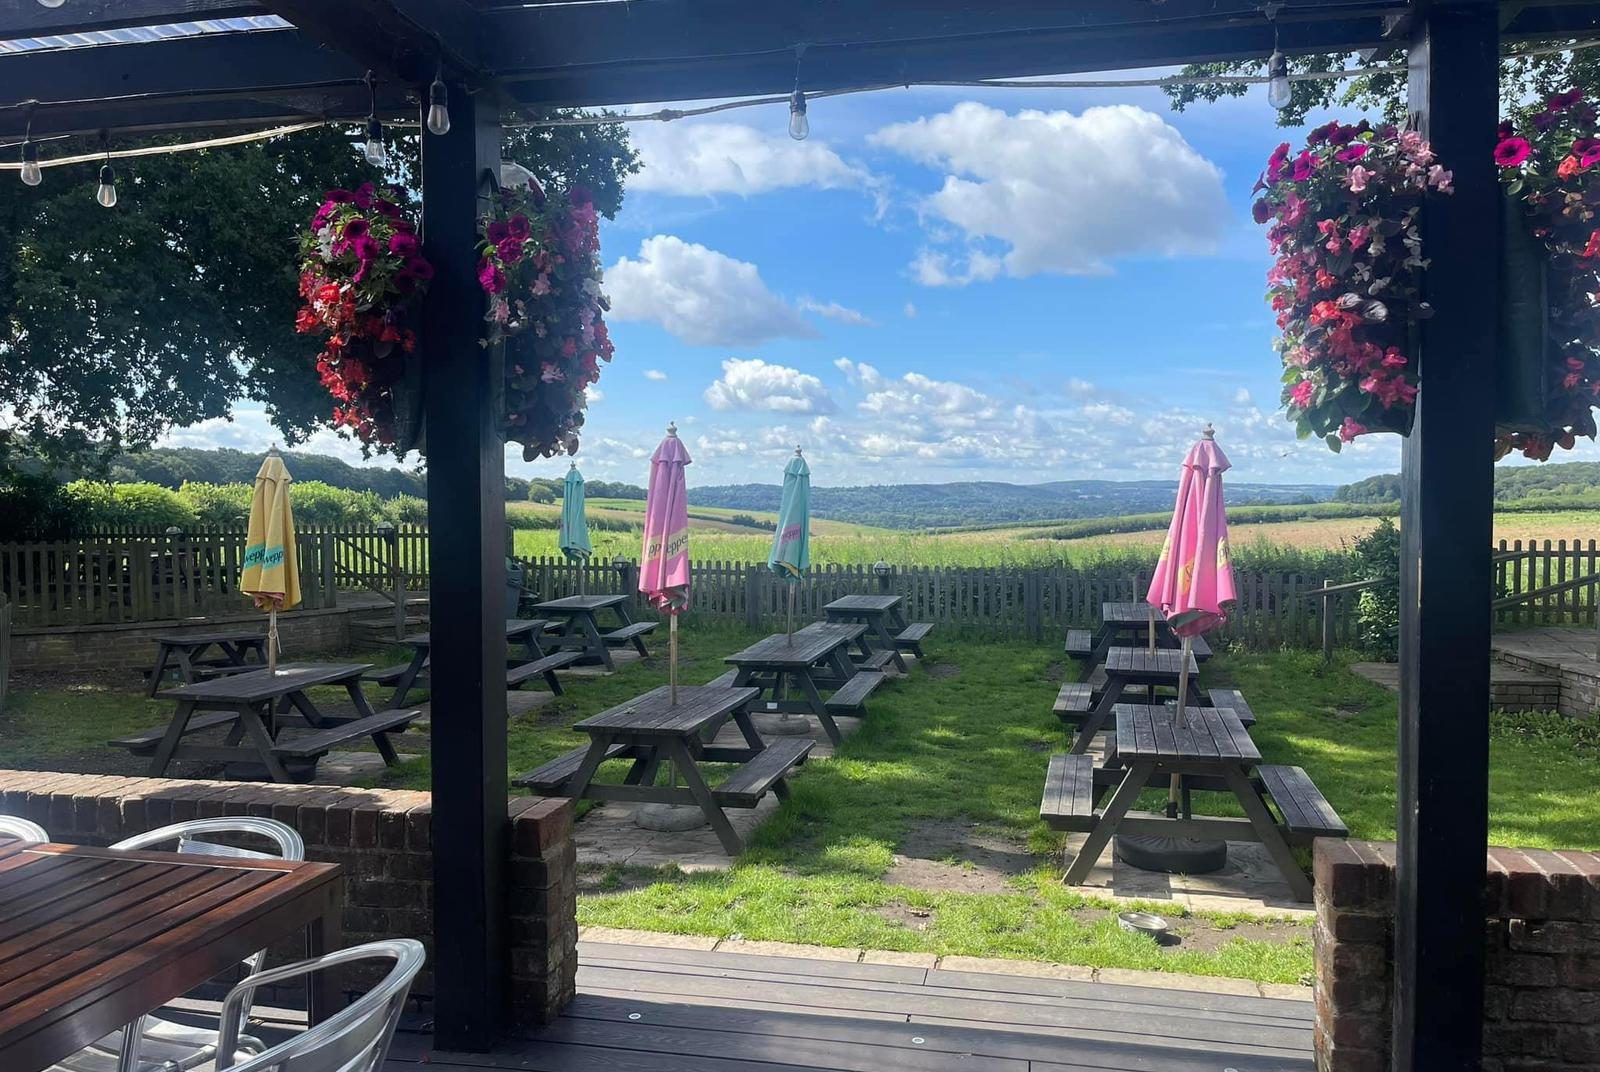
1327	624
1033	622
752	596
330	565
397	580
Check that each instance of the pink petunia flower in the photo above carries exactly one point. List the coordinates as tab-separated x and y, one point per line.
1359	177
1351	153
1512	151
1301	394
1351	428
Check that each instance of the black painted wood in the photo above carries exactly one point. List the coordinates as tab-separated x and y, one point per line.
654	714
466	511
258	686
1447	497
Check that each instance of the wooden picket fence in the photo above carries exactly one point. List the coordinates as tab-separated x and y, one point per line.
149	576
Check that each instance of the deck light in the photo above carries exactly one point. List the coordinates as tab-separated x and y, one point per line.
31	175
374	146
50	3
438	107
799	125
107	192
1279	92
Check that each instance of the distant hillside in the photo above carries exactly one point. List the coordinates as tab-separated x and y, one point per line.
1563	486
171	466
919	506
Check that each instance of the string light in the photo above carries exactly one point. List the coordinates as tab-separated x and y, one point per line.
1280	93
51	4
31	175
799	125
107	192
438	104
374	146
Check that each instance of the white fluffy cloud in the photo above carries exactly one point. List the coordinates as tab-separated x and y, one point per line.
1057	192
834	311
654	374
752	384
700	295
697	159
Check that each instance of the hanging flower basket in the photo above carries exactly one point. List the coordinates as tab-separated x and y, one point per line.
1550	321
361	274
540	267
1342	223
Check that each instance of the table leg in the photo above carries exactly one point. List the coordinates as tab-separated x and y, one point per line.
1266	829
1099	715
1127	792
408	680
814	700
886	638
591	763
690	772
323	935
596	644
257	731
839	662
358	697
302	703
162	654
185	665
752	736
234	653
170	740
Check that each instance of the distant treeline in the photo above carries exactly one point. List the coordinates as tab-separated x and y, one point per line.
1566	486
1237	515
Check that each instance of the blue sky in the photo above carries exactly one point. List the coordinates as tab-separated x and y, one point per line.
942	284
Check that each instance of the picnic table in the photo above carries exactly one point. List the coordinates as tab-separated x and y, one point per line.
91	938
1127	624
651	730
1211	749
886	623
185	653
794	671
1125	668
521	633
581	629
257	705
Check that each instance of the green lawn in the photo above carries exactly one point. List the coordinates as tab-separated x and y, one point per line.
964	740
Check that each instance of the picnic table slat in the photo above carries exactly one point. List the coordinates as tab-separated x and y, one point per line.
653	713
576	604
259	686
857	604
1210	735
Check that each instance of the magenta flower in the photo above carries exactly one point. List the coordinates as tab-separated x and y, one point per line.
509	249
1304	165
518	226
403	244
490	277
366	248
356	228
341	197
1301	394
497	232
1358	179
1351	428
1351	153
419	267
1512	151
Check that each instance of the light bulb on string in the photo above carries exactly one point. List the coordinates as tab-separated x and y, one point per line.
438	120
49	4
31	175
799	125
106	194
1280	93
374	147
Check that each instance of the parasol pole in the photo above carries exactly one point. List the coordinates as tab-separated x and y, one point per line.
1175	785
1152	625
272	639
672	658
793	584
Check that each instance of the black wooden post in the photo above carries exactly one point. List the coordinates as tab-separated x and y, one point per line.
466	522
1446	526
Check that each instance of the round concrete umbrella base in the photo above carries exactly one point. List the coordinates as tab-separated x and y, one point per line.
669	817
780	725
1170	855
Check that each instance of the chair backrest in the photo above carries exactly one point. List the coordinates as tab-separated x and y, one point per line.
186	834
356	1039
21	829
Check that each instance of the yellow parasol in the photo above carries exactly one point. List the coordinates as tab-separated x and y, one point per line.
271	574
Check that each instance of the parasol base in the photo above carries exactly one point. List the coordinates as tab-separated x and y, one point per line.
1172	856
671	818
780	725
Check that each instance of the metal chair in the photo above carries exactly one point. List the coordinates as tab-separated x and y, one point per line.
355	1039
21	829
157	1045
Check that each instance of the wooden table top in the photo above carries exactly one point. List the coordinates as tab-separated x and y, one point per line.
653	714
578	604
1138	613
807	646
1208	735
515	627
859	604
188	640
1163	662
260	685
849	630
92	938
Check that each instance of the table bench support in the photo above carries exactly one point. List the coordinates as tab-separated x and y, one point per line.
1122	799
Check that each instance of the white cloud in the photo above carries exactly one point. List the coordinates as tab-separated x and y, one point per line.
594	394
1080	388
700	295
752	384
699	159
910	311
1241	397
654	374
1057	192
835	311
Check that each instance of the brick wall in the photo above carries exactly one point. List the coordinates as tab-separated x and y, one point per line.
1526	694
1542	999
131	645
1578	693
382	838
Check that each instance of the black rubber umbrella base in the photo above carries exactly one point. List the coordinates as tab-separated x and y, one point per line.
1170	855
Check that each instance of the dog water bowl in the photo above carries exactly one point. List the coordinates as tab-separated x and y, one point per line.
1142	923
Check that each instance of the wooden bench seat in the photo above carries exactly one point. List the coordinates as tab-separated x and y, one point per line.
322	741
877	660
632	634
912	636
1080	643
144	743
387	675
549	779
724	681
853	693
546	666
1073	702
745	787
1306	812
1199	649
1234	700
1068	802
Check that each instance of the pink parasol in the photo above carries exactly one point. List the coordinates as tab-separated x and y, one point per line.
664	566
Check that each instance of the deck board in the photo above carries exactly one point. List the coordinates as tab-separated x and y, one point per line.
739	1012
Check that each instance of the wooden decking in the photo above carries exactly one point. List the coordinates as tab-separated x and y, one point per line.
646	1009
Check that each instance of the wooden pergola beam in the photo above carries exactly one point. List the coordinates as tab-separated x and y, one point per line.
404	40
26	18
